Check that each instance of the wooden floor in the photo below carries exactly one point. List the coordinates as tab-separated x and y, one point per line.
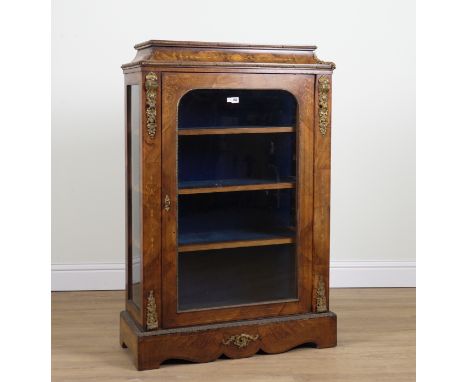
376	342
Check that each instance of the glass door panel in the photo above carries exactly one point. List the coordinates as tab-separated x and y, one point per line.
236	163
236	276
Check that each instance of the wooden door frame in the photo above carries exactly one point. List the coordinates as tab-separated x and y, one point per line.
174	86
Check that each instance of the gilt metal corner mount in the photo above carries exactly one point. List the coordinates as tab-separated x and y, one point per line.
319	61
151	313
321	297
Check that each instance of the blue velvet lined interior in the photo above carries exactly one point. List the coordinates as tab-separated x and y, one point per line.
209	108
243	157
230	216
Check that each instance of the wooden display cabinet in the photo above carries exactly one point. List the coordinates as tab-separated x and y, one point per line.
227	201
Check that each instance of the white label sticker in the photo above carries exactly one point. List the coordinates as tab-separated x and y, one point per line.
233	99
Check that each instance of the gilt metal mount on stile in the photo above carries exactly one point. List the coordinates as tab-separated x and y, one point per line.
227	201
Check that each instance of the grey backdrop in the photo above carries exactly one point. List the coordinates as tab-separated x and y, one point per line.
373	141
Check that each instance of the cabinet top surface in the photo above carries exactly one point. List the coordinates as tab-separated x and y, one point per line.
196	53
219	45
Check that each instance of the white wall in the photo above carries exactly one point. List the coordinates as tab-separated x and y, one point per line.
373	145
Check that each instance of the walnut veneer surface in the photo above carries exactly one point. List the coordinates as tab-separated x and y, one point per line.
288	311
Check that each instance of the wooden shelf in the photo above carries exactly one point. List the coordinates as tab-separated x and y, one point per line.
234	239
231	185
237	130
235	244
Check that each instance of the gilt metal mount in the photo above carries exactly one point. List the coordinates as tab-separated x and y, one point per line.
151	313
321	296
151	86
241	340
167	203
323	92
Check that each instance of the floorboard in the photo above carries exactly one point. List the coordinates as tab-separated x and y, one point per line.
376	342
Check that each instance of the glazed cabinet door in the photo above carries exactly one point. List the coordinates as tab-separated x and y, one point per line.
237	196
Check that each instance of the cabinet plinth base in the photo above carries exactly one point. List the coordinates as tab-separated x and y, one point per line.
237	339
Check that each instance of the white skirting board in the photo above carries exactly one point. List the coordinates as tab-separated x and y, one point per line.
343	274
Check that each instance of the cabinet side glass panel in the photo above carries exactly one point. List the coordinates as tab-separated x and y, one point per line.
236	174
134	205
